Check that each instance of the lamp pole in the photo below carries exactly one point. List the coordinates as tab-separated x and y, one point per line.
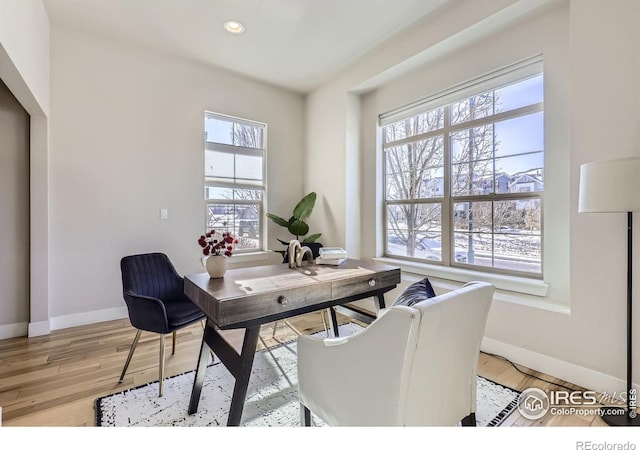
611	186
631	395
613	415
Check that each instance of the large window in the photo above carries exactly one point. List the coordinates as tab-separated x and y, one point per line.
234	178
464	177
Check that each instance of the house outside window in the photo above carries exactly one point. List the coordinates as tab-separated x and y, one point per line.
464	175
235	178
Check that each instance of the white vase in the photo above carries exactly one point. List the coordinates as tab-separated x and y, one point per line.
216	266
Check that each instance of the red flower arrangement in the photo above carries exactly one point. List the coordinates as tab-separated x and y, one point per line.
217	243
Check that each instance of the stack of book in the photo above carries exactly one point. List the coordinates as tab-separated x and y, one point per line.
332	255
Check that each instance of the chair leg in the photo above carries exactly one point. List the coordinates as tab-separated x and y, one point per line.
173	348
161	364
131	350
324	321
305	416
469	421
292	328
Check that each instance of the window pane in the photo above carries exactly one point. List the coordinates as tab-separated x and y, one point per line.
226	131
247	136
243	221
525	173
472	178
220	217
516	240
218	164
472	108
218	130
526	258
474	248
524	93
249	167
473	216
472	168
413	126
415	230
415	170
402	186
520	135
521	217
473	144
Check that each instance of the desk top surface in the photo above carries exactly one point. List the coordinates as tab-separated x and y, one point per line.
250	281
256	293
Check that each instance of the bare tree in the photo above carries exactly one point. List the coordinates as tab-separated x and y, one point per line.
413	169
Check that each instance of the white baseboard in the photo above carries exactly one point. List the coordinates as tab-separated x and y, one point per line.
34	329
88	318
13	330
581	376
39	328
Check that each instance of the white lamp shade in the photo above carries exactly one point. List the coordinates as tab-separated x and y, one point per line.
610	186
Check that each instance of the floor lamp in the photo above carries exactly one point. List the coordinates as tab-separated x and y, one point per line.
605	187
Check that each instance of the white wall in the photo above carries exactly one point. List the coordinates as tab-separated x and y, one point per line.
24	36
591	55
24	68
127	140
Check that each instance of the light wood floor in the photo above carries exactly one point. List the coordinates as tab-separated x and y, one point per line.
53	380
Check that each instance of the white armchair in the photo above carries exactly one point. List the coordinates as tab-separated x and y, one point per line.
413	366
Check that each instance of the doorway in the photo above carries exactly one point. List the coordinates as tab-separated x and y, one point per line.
14	211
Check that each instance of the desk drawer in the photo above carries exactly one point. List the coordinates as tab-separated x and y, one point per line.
260	307
365	283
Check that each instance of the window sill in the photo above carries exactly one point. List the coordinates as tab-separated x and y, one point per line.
518	290
252	256
504	282
241	259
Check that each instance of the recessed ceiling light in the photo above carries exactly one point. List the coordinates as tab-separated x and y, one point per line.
233	27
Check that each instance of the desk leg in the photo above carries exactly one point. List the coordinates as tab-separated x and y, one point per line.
242	377
201	369
380	301
334	322
380	304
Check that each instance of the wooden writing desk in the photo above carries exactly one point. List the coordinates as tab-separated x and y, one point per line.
249	297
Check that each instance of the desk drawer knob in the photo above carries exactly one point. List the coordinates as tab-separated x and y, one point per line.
372	282
283	300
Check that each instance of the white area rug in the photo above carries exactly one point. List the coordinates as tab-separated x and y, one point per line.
271	397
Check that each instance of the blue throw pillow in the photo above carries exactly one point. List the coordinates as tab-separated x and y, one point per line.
415	293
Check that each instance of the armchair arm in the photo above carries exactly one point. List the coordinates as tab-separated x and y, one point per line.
341	383
147	313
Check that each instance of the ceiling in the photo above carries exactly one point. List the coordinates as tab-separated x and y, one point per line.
297	44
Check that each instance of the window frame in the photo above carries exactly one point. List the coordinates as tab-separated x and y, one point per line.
493	81
231	183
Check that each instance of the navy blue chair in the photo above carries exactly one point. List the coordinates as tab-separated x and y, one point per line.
154	294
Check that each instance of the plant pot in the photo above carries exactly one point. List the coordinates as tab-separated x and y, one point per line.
216	266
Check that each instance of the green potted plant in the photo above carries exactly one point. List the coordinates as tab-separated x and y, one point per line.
297	226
